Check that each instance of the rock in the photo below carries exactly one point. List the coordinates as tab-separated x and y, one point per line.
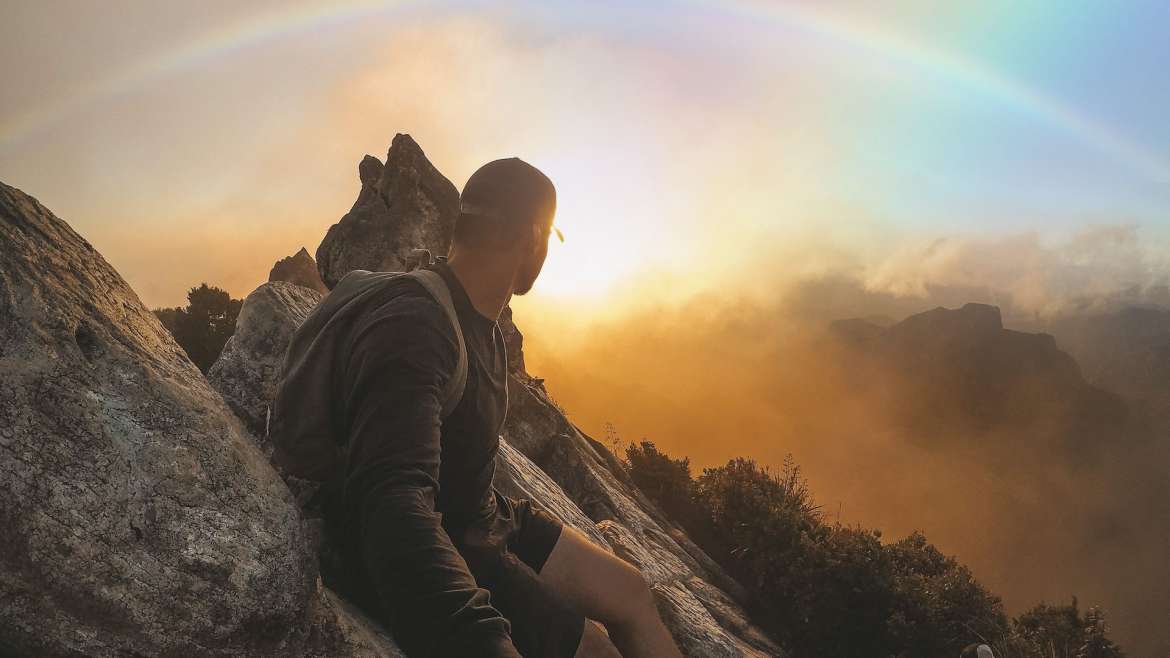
513	342
301	269
339	629
369	173
404	204
139	518
248	369
518	477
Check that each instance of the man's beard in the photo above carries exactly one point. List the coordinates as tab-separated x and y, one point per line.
527	282
521	291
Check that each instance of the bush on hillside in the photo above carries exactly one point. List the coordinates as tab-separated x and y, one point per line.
835	591
1061	632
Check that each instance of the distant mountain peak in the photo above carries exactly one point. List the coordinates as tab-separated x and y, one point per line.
978	318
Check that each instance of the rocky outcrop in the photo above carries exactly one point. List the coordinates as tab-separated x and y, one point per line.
248	369
301	269
513	341
139	518
403	205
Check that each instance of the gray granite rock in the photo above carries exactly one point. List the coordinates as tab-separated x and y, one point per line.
518	477
248	369
139	518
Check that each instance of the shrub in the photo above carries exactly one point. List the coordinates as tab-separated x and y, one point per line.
834	591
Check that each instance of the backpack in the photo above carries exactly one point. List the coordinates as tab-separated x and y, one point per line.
308	453
313	453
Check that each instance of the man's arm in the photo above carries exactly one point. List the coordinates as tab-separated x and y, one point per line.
399	363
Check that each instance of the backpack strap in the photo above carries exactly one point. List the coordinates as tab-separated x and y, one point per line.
437	287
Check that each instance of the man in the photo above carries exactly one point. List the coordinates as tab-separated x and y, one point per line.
450	565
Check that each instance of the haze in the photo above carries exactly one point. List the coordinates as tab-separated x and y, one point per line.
731	177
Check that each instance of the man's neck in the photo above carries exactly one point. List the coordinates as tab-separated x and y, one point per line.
488	282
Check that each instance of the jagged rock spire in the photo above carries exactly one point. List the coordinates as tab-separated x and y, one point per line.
301	269
403	205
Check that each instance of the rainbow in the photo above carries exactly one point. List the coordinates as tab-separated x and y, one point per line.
1046	109
818	22
206	47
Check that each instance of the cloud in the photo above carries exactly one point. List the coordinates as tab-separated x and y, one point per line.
1095	270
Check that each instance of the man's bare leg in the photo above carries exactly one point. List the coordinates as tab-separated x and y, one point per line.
607	588
595	643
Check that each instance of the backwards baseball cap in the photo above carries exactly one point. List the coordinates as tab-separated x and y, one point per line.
510	190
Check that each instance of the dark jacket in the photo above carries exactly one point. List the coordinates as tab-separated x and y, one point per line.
372	374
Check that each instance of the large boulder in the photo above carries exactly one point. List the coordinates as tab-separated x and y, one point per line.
248	369
301	269
403	205
138	517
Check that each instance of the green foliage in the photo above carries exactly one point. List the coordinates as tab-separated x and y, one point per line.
941	606
1061	632
204	325
667	481
827	590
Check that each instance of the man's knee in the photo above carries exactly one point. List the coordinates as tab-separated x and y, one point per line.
632	595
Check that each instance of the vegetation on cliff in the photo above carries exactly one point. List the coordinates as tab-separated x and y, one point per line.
831	590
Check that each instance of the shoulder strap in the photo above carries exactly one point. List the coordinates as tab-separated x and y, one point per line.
437	287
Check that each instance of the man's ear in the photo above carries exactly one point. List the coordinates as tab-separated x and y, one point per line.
534	231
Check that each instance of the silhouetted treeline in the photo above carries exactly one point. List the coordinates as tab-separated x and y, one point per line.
833	591
204	325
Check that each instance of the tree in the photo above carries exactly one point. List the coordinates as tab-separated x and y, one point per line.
204	325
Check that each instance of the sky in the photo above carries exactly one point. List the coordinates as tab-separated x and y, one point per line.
203	141
711	159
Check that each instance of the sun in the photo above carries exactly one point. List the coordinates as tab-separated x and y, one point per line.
587	264
599	248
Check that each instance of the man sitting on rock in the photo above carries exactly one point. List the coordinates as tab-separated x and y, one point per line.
450	565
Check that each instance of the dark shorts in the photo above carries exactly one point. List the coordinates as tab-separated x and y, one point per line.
506	560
